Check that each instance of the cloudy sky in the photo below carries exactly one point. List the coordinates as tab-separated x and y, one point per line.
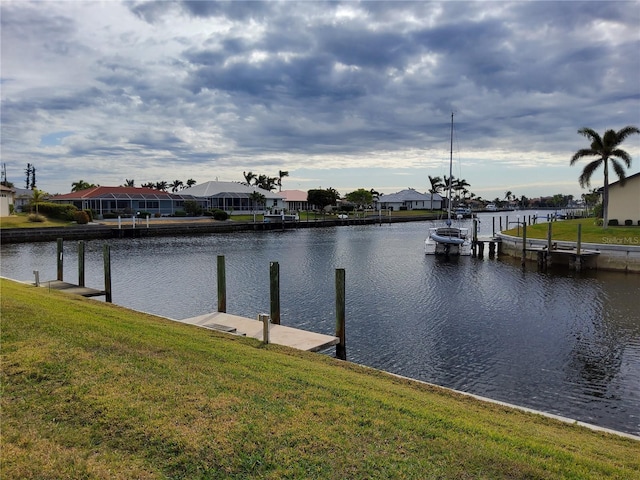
340	94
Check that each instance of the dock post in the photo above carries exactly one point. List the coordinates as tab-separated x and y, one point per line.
81	263
264	318
578	265
60	258
341	347
549	236
222	286
480	249
493	226
106	255
475	236
274	288
492	249
500	220
524	243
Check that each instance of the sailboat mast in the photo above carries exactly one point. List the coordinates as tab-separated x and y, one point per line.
450	172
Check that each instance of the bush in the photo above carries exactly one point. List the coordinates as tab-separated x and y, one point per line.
109	215
613	222
628	223
180	213
157	215
220	215
36	217
192	208
62	211
90	214
598	222
82	218
143	214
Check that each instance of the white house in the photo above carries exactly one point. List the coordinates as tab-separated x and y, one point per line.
295	200
6	199
624	201
409	199
233	197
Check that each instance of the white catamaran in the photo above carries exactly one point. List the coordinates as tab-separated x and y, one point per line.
447	239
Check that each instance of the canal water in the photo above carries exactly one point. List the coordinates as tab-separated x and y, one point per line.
562	342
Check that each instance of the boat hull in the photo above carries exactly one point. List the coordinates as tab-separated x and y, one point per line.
450	241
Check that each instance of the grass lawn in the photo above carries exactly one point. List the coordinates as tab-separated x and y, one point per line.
567	230
93	390
22	221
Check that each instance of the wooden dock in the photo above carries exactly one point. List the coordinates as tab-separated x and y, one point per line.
71	288
278	334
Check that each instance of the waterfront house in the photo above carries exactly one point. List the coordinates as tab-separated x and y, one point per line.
409	199
624	201
22	199
126	200
6	199
295	200
235	198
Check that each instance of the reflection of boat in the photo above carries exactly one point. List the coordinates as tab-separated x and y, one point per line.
464	211
447	239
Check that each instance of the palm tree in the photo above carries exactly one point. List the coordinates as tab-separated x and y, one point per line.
606	149
162	186
256	198
148	185
281	174
176	185
436	187
37	196
191	182
129	183
81	185
249	176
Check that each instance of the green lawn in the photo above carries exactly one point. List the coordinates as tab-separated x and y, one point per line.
93	390
567	230
22	221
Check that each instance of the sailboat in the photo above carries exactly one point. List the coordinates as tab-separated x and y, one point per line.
448	239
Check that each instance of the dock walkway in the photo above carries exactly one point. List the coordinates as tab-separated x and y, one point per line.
278	334
71	288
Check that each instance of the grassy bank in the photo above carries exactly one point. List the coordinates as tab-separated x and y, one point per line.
567	230
91	390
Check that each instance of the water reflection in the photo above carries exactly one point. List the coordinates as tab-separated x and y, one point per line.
557	341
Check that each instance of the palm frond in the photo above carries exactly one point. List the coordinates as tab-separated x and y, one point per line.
583	152
619	169
585	176
623	133
622	155
591	134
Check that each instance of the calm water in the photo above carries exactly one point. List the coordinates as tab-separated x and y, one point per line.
561	342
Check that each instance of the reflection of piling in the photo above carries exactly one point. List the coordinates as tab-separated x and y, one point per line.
341	348
60	258
81	263
106	255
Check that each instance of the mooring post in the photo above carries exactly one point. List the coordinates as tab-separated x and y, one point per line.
119	222
341	347
524	243
222	286
264	318
81	263
475	236
500	220
493	226
274	288
579	244
106	255
60	259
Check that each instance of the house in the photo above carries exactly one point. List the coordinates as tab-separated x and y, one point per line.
234	198
409	199
6	200
22	199
624	201
125	200
295	200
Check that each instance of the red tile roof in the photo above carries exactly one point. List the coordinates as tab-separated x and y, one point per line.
97	192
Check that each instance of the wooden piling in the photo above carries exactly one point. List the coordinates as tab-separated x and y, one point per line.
480	249
264	318
341	347
493	226
492	249
274	289
578	263
222	285
549	235
60	259
106	255
81	263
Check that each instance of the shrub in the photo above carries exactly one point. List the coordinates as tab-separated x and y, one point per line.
192	208
143	214
157	215
180	213
628	223
62	211
36	217
90	214
220	215
613	222
110	215
598	222
82	218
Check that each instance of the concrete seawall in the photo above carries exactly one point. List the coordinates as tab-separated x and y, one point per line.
625	258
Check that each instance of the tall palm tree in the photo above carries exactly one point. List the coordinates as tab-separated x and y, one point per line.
281	174
81	185
437	185
129	183
176	185
191	182
606	149
162	186
249	176
37	196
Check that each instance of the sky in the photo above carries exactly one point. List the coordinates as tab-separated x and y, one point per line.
342	95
